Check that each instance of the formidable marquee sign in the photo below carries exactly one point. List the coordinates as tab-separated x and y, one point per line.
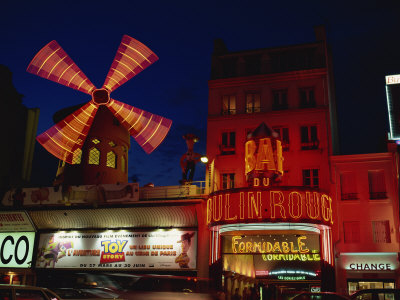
252	205
173	249
278	256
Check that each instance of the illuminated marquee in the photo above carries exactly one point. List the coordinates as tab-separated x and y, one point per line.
263	161
393	104
269	204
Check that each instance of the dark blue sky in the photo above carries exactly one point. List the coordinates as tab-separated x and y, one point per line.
364	37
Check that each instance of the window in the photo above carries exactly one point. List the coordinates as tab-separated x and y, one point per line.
252	103
351	231
381	231
280	100
307	98
29	294
229	105
111	143
111	160
94	156
95	141
228	143
348	186
310	178
377	187
77	157
283	136
228	181
123	168
309	137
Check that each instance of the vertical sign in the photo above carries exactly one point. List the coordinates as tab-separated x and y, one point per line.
393	103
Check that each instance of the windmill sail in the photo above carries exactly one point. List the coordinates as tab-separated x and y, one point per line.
132	58
54	64
63	139
148	129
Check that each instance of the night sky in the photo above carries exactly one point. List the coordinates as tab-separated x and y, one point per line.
364	36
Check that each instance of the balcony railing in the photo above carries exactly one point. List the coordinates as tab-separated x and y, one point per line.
311	145
195	189
377	195
349	196
228	112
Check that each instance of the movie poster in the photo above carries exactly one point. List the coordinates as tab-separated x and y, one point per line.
160	249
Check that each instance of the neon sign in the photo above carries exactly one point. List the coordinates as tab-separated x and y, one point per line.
301	248
268	247
269	204
392	79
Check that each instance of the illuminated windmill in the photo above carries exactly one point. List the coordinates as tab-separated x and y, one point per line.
90	139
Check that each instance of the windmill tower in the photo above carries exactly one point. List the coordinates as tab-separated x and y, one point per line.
92	140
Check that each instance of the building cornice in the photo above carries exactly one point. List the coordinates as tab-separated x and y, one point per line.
267	78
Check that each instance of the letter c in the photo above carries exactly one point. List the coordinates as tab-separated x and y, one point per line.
352	267
2	258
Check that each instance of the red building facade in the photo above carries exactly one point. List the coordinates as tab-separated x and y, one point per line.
365	187
289	90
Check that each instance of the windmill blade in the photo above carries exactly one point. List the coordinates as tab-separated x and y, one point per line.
53	63
148	129
132	57
65	138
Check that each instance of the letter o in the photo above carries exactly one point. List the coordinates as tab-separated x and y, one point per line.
113	247
25	239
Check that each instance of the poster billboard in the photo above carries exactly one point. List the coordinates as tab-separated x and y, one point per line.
393	103
16	249
159	249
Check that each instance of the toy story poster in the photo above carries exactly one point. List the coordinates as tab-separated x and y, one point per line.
161	249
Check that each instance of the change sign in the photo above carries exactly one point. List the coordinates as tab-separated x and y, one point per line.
16	249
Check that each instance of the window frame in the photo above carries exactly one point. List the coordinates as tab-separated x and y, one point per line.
280	99
311	177
307	101
353	238
227	181
228	148
91	158
312	141
230	104
255	101
285	138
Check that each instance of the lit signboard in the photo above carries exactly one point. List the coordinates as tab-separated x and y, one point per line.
370	262
281	256
12	221
263	161
16	249
269	205
172	249
393	103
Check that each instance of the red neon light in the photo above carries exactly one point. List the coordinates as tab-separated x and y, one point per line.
251	205
64	138
132	57
54	64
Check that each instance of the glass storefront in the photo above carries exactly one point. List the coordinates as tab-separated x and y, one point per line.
355	285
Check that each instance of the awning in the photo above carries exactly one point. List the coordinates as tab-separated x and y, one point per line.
110	218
